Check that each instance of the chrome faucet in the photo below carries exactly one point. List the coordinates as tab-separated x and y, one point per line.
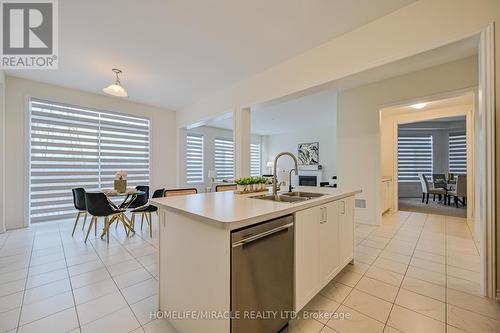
290	187
275	178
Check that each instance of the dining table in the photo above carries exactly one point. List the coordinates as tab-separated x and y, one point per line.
447	185
127	198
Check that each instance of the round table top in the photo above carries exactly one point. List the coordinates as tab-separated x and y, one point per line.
113	193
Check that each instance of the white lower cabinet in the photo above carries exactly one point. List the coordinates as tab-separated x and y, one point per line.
329	242
386	195
346	230
324	244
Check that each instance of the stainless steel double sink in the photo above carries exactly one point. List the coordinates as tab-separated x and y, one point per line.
290	197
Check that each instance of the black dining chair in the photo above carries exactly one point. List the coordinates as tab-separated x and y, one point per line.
80	206
99	206
141	199
147	210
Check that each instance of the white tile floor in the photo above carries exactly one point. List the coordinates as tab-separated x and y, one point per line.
414	273
52	282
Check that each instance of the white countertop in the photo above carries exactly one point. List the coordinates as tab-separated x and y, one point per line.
233	211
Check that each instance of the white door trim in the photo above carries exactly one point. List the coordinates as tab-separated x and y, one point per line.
429	115
486	175
487	218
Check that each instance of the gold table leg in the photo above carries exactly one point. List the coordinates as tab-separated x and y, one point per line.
106	226
126	222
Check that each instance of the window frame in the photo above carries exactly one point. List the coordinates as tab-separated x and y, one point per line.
54	103
259	145
427	167
454	169
202	177
227	140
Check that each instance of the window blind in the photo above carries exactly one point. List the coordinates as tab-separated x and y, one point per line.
72	146
194	158
457	153
255	162
224	159
414	157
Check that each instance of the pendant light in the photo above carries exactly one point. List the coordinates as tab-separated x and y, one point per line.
116	89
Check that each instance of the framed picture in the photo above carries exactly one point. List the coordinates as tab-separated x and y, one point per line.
309	153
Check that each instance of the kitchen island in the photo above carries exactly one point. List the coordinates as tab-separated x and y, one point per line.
195	255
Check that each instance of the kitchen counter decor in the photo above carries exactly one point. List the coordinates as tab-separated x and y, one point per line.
251	185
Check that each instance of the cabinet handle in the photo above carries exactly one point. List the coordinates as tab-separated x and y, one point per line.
322	219
342	210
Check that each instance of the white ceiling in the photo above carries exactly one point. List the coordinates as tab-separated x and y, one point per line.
174	52
307	112
462	99
456	122
313	109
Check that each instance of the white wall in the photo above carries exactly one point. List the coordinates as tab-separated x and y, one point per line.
421	26
163	137
209	134
358	118
2	152
277	143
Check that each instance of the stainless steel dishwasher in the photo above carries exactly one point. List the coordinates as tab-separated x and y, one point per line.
262	276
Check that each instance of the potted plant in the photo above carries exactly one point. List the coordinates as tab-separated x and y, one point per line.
262	183
248	184
240	184
253	184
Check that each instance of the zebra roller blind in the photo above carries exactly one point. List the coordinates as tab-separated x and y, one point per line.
414	157
73	146
457	153
255	160
224	159
194	158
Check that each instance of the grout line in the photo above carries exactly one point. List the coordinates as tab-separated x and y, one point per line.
340	303
25	284
135	258
119	289
445	275
8	234
472	235
364	274
69	279
404	275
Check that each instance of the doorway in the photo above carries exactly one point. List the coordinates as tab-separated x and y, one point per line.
432	166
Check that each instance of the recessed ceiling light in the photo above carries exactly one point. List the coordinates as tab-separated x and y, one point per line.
419	106
116	89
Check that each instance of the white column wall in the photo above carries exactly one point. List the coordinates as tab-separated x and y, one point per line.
242	139
2	155
358	116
